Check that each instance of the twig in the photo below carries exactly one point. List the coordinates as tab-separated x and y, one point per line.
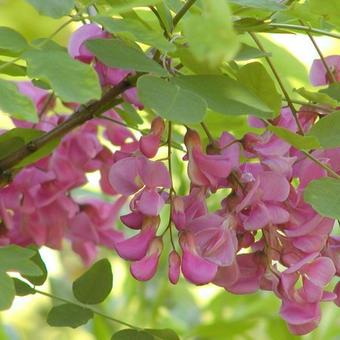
182	12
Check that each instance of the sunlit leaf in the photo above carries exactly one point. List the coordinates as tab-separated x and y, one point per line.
53	8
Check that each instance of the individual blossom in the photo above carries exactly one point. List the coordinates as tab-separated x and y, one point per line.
318	74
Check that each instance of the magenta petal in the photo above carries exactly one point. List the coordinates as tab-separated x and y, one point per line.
145	269
76	47
135	248
305	328
123	176
258	218
320	271
174	267
133	220
337	292
299	313
196	269
153	173
149	145
270	180
150	203
227	276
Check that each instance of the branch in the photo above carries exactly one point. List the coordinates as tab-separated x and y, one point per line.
284	91
82	115
182	12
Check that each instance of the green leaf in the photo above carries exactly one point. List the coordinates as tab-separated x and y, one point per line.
136	31
255	77
164	334
329	10
53	8
327	130
117	53
333	90
170	101
38	280
324	196
317	97
15	258
211	36
14	139
269	5
94	285
132	334
121	6
225	95
7	291
13	70
11	41
129	114
69	315
22	288
16	104
298	141
247	52
71	80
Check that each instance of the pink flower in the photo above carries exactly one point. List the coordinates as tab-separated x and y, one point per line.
318	74
174	267
76	46
145	269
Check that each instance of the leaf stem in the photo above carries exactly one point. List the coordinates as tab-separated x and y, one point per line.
328	70
207	132
182	12
329	170
305	29
54	297
279	81
161	23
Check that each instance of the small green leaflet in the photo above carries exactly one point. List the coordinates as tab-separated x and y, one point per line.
11	41
117	53
317	97
22	288
298	141
16	104
327	130
53	8
120	6
7	291
211	36
136	31
94	285
225	95
333	90
170	101
12	69
71	80
256	78
145	334
324	196
69	315
247	52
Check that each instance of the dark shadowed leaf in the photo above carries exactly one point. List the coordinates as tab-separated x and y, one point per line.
38	280
69	315
164	334
132	334
95	284
7	291
22	288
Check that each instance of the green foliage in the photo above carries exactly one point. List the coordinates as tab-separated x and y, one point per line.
69	315
53	8
136	31
327	9
269	5
210	35
324	196
95	284
298	141
225	95
121	6
327	130
117	53
317	97
145	334
333	90
7	291
16	104
11	41
71	80
22	288
12	69
170	100
16	138
38	280
255	77
247	52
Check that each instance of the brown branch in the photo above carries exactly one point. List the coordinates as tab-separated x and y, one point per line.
82	115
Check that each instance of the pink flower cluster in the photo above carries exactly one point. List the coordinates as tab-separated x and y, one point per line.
263	236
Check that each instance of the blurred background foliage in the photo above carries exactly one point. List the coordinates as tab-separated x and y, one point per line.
193	312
